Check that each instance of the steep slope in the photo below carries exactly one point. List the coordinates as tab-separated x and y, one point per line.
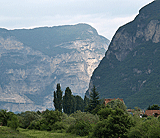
130	68
33	61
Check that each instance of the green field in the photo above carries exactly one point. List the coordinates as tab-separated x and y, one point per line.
6	132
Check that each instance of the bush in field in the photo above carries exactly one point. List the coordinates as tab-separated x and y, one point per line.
81	123
52	116
59	126
64	116
115	125
5	116
34	125
47	120
87	117
81	128
13	123
117	103
104	113
25	118
69	121
149	128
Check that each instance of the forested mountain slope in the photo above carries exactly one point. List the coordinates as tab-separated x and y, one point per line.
131	66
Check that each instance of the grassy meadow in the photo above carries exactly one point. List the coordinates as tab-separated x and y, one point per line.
6	132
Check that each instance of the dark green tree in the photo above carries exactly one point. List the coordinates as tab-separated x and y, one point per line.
14	122
73	104
58	98
117	103
86	102
149	128
79	103
94	100
114	124
67	101
5	116
25	118
153	107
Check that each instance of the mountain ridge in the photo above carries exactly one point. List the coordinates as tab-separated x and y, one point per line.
32	64
131	62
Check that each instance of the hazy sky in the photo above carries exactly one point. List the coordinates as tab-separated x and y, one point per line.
104	15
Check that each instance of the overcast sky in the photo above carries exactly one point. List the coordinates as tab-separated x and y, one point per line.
104	15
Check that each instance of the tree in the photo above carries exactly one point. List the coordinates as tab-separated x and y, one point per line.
5	116
115	125
13	123
73	103
58	98
104	113
149	128
67	101
47	120
117	103
94	100
25	118
86	102
153	107
79	103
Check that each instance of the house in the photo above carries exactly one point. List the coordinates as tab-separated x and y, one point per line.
108	100
154	113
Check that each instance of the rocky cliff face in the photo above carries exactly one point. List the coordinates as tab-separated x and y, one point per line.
130	67
33	61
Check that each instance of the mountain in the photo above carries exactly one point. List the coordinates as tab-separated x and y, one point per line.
33	61
130	68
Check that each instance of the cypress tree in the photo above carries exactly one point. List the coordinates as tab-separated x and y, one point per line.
94	100
73	104
79	103
67	101
86	102
58	98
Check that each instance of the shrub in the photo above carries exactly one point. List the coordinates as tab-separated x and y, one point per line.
49	118
116	125
5	117
148	128
14	123
45	127
52	116
69	121
81	128
25	118
34	125
104	113
59	126
64	116
87	117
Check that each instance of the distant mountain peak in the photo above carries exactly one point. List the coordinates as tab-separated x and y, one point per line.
33	61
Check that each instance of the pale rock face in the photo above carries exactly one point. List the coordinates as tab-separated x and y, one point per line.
81	61
123	42
150	30
38	74
156	38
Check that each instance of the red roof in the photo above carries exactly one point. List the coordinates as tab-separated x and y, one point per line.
152	112
108	100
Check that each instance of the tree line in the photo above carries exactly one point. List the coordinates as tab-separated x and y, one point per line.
70	103
108	121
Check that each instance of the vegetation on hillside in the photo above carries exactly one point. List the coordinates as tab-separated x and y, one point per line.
135	79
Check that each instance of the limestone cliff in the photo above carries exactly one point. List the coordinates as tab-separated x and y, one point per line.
33	61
